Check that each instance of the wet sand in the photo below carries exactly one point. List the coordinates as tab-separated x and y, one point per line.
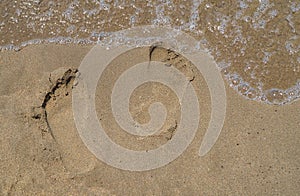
257	152
255	42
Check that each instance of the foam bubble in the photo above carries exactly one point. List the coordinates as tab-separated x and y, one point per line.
256	45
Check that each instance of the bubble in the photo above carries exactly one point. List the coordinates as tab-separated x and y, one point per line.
184	49
252	94
252	25
225	71
121	40
292	94
236	81
263	98
129	42
138	43
276	96
243	88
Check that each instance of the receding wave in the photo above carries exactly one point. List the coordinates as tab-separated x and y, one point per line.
255	43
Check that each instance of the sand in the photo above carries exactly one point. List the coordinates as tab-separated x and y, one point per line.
257	153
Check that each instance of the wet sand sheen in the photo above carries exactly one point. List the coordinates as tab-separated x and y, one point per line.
255	43
256	153
258	42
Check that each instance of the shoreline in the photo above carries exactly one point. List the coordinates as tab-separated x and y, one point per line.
257	151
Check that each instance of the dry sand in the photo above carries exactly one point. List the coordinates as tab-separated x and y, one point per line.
257	153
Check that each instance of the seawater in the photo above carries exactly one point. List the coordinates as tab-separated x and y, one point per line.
254	42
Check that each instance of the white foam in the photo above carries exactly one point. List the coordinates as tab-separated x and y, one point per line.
70	29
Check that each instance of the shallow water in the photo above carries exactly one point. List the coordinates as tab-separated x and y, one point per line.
255	43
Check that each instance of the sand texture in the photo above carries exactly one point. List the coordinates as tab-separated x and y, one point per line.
257	153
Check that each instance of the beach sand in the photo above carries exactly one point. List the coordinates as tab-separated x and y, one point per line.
257	153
